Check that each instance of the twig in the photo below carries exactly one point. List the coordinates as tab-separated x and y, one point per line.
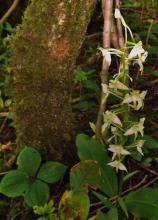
81	98
148	33
153	172
90	36
4	114
114	35
123	194
107	10
135	186
9	12
3	124
151	182
114	198
119	26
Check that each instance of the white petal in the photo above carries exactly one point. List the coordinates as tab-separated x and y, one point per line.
136	51
144	56
117	13
116	120
93	127
106	54
139	149
127	99
118	165
143	94
122	167
104	126
115	84
130	131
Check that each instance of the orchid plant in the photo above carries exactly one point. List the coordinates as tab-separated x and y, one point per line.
120	134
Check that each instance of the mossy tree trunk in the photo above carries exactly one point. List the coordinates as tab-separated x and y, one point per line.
43	54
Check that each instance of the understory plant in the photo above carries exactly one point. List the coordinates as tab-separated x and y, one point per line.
99	182
101	185
31	178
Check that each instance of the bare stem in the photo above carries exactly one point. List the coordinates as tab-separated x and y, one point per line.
119	26
114	35
107	12
9	12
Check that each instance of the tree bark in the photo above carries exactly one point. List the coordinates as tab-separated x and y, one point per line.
43	54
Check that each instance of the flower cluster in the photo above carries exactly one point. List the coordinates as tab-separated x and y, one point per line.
122	135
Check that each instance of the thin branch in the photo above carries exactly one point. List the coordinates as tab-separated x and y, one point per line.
149	32
3	124
114	35
9	12
119	26
151	182
153	172
107	10
114	198
81	98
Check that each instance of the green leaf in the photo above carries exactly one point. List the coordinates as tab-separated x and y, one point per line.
1	103
154	73
109	181
153	50
100	216
85	174
150	142
38	194
123	206
76	204
47	209
103	199
86	105
130	175
90	149
147	161
143	203
14	183
112	214
29	161
92	85
51	172
8	102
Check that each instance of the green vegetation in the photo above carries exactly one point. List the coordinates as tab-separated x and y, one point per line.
94	155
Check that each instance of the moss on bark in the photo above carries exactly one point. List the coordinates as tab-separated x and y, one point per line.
43	54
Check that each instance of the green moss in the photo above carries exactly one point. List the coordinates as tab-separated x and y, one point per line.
43	56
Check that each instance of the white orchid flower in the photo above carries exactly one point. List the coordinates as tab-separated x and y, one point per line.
137	128
118	15
108	52
136	51
136	98
141	60
117	151
138	54
117	165
116	84
110	118
115	133
138	144
113	129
